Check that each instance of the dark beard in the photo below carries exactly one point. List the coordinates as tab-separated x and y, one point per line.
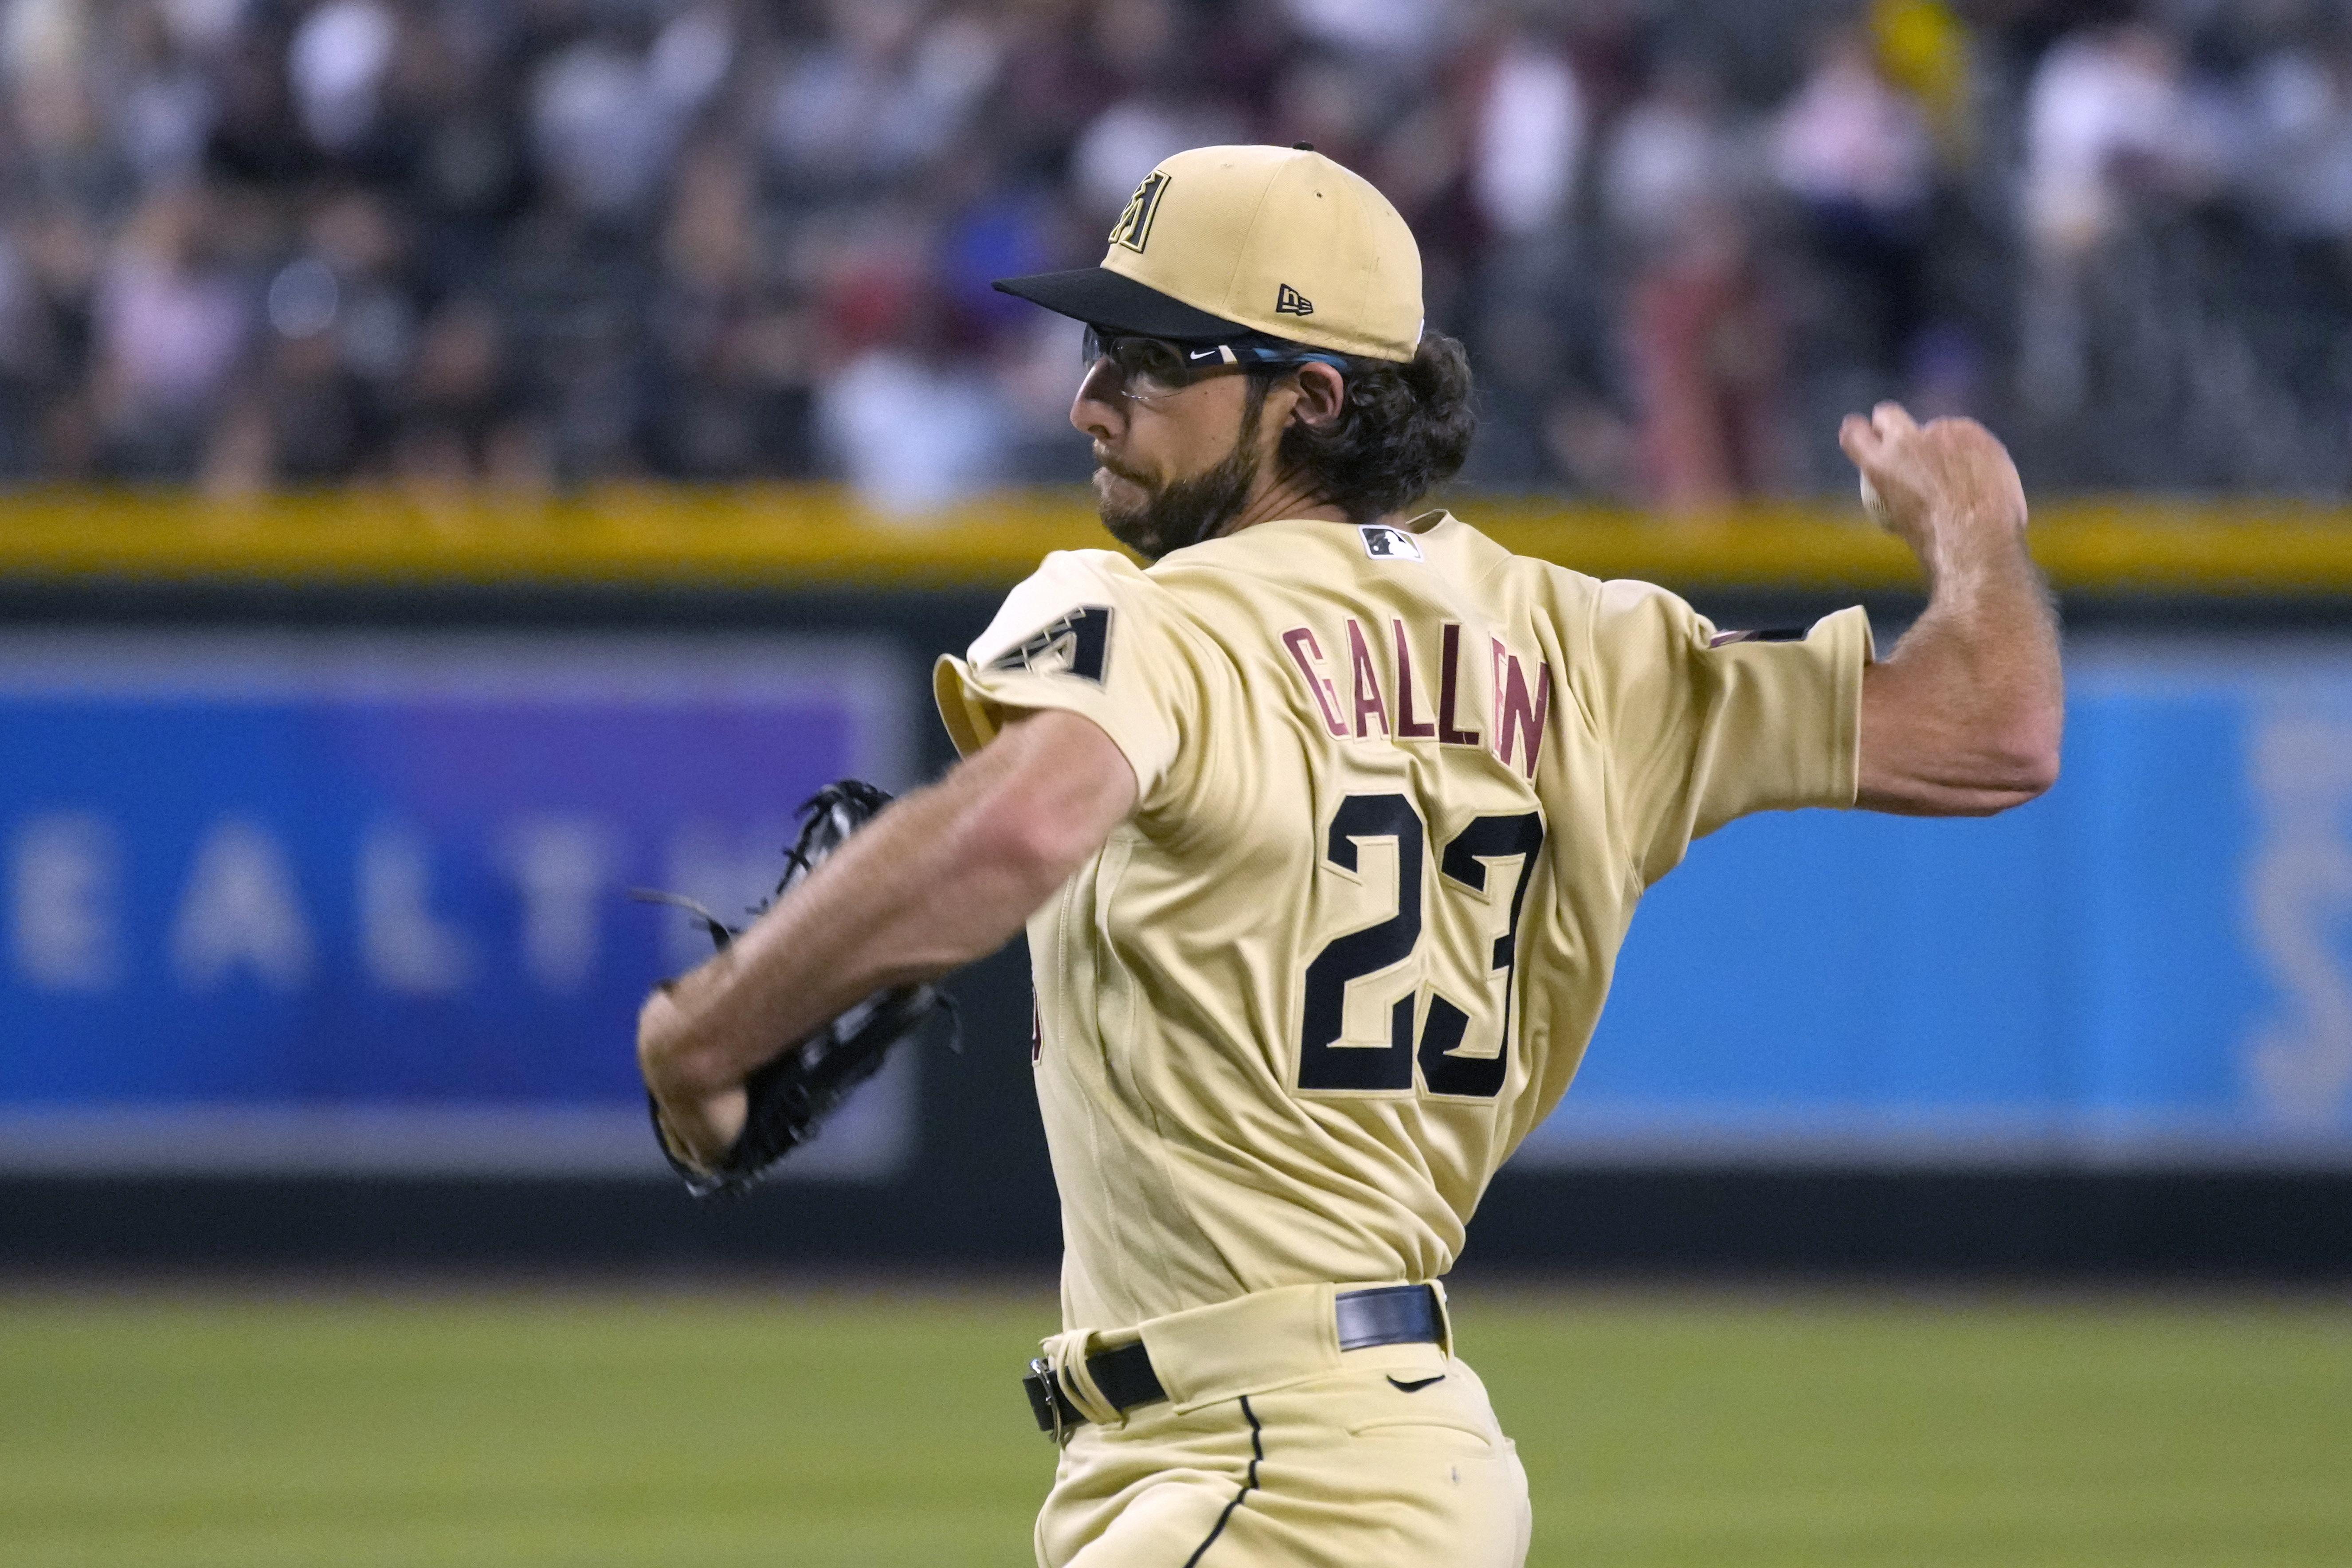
1185	512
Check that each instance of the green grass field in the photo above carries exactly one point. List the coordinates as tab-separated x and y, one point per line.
596	1429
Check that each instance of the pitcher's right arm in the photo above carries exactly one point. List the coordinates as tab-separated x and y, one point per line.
1963	718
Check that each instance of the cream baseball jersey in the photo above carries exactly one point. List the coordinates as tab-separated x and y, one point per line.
1400	791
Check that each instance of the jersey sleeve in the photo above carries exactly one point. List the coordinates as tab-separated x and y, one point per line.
1084	633
1702	727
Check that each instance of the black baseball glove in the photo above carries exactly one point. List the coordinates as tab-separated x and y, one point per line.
791	1095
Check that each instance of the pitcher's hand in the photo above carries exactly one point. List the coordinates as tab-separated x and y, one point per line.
1948	482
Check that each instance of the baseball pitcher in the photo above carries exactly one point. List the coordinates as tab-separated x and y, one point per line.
1325	826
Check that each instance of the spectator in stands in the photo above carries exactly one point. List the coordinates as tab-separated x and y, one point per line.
341	330
1529	144
1506	184
1702	333
164	104
171	329
732	354
905	413
2301	164
335	64
2106	121
463	421
2299	179
25	356
889	87
1855	154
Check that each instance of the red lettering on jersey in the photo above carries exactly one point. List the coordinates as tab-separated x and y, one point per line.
1368	681
1449	687
1306	654
1408	727
1516	719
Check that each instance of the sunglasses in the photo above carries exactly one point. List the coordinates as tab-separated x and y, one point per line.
1159	367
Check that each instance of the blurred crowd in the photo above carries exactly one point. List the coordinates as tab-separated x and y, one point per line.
531	243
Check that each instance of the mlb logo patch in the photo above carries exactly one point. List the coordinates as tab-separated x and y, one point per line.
1384	544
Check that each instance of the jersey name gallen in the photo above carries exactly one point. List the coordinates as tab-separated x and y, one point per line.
1513	728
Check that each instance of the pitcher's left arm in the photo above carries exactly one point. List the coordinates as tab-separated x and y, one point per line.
944	875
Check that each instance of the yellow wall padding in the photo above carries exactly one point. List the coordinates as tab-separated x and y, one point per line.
786	537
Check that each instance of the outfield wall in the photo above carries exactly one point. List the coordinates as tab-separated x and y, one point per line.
317	843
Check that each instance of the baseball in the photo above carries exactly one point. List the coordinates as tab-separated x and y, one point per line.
1873	505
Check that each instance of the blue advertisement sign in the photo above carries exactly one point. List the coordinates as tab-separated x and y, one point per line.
318	902
2151	964
314	901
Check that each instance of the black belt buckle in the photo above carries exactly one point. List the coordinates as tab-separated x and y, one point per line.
1387	1315
1046	1400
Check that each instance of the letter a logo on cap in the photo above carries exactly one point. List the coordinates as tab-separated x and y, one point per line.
1134	226
1287	302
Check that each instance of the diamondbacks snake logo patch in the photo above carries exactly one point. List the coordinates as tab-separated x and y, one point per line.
1077	643
1133	228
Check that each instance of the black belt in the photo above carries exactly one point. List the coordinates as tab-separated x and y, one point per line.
1385	1315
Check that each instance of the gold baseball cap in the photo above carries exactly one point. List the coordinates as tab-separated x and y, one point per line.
1221	242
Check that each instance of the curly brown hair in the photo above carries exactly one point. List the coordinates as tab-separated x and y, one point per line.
1402	430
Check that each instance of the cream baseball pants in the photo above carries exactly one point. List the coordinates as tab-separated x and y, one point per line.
1275	1447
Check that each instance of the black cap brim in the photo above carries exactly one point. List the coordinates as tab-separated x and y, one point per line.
1101	297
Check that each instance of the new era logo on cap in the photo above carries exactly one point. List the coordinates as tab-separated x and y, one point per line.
1289	301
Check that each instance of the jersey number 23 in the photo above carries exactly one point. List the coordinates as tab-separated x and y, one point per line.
1328	1062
